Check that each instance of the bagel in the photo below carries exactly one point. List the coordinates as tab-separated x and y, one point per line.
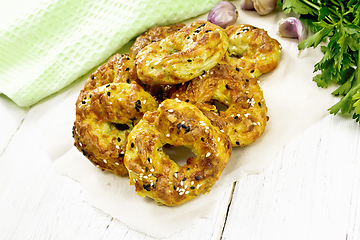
245	113
119	68
252	49
104	118
151	170
183	55
151	35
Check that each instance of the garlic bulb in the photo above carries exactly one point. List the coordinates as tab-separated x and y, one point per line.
223	14
264	7
291	27
247	4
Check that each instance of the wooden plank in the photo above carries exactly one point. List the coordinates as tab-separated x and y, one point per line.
11	118
310	191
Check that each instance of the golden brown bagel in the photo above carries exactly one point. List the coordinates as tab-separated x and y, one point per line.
252	49
245	116
104	119
183	55
151	170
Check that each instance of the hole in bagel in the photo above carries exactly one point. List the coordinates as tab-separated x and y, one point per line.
121	127
178	154
220	106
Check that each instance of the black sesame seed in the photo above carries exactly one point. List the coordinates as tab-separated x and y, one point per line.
236	117
227	87
188	169
147	169
178	127
121	154
188	37
83	152
208	31
252	71
118	139
247	80
192	187
184	179
92	77
201	25
149	160
127	69
90	95
202	139
132	145
259	103
127	80
85	98
187	100
83	102
197	178
237	143
174	187
146	187
108	85
197	31
108	93
237	69
189	60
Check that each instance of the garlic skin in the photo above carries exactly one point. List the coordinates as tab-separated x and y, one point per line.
223	14
264	7
246	4
291	27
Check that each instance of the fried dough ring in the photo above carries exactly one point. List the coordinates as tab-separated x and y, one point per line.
245	116
151	170
119	68
151	35
104	119
252	49
183	55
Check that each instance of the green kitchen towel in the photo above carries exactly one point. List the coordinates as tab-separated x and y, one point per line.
47	44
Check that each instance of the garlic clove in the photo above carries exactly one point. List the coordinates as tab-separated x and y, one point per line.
291	27
264	7
247	4
223	14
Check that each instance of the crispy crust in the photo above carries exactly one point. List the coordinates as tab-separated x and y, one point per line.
252	49
158	177
104	119
183	55
245	116
151	35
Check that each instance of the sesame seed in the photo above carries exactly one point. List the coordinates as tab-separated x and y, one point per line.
197	178
105	161
116	163
208	154
187	192
108	93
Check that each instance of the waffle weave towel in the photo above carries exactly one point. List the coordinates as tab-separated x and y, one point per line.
47	44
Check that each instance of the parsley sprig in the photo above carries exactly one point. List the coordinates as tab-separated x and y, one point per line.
336	24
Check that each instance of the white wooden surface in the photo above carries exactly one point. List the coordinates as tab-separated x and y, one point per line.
309	191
